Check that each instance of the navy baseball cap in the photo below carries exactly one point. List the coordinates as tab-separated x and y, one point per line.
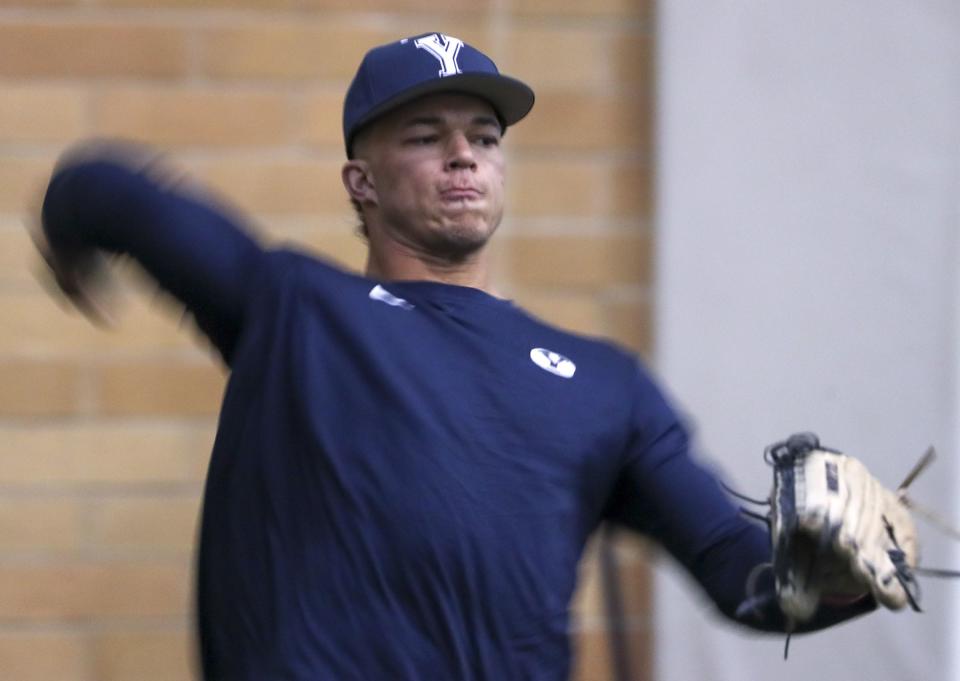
396	73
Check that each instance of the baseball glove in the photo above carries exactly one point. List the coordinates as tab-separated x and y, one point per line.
837	532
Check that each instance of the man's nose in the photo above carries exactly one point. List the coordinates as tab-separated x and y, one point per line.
460	153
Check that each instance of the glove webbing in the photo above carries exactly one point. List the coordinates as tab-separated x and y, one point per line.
783	456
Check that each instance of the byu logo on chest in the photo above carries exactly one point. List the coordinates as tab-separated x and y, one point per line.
445	49
554	362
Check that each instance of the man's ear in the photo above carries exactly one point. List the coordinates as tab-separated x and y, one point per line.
358	181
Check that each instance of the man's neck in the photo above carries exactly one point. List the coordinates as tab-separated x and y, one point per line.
396	262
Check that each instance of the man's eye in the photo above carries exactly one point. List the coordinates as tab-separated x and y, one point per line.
422	140
489	140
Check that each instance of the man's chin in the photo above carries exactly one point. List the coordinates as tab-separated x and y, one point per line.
458	242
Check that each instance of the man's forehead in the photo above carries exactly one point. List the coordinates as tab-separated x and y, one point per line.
440	108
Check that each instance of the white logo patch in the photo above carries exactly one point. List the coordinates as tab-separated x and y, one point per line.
445	49
554	362
384	296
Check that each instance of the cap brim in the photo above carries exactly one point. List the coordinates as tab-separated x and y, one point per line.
511	99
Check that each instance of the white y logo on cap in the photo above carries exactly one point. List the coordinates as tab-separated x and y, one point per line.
445	49
554	362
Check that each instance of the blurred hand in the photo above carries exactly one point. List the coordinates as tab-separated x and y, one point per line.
83	277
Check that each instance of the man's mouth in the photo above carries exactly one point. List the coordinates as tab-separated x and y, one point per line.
461	194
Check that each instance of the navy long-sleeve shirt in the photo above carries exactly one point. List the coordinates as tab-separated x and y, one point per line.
405	473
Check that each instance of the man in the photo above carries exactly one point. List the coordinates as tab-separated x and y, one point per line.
407	466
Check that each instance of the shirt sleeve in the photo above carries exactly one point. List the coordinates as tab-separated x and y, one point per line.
193	249
665	493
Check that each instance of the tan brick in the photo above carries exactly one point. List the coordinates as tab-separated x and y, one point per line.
451	6
633	580
103	454
336	240
203	4
583	155
91	49
559	57
322	118
633	62
278	186
588	598
170	389
193	116
143	656
157	524
89	590
615	8
298	51
630	546
587	261
42	657
631	323
591	656
471	27
326	5
633	585
19	261
41	114
39	525
36	322
574	312
581	58
571	188
284	50
22	181
39	388
353	5
631	190
635	588
40	3
593	659
343	247
578	187
591	618
563	120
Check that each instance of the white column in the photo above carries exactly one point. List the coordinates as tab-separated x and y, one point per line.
953	666
809	183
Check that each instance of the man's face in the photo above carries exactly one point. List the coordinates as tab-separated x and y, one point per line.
437	172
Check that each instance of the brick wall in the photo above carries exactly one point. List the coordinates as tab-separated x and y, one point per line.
104	435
